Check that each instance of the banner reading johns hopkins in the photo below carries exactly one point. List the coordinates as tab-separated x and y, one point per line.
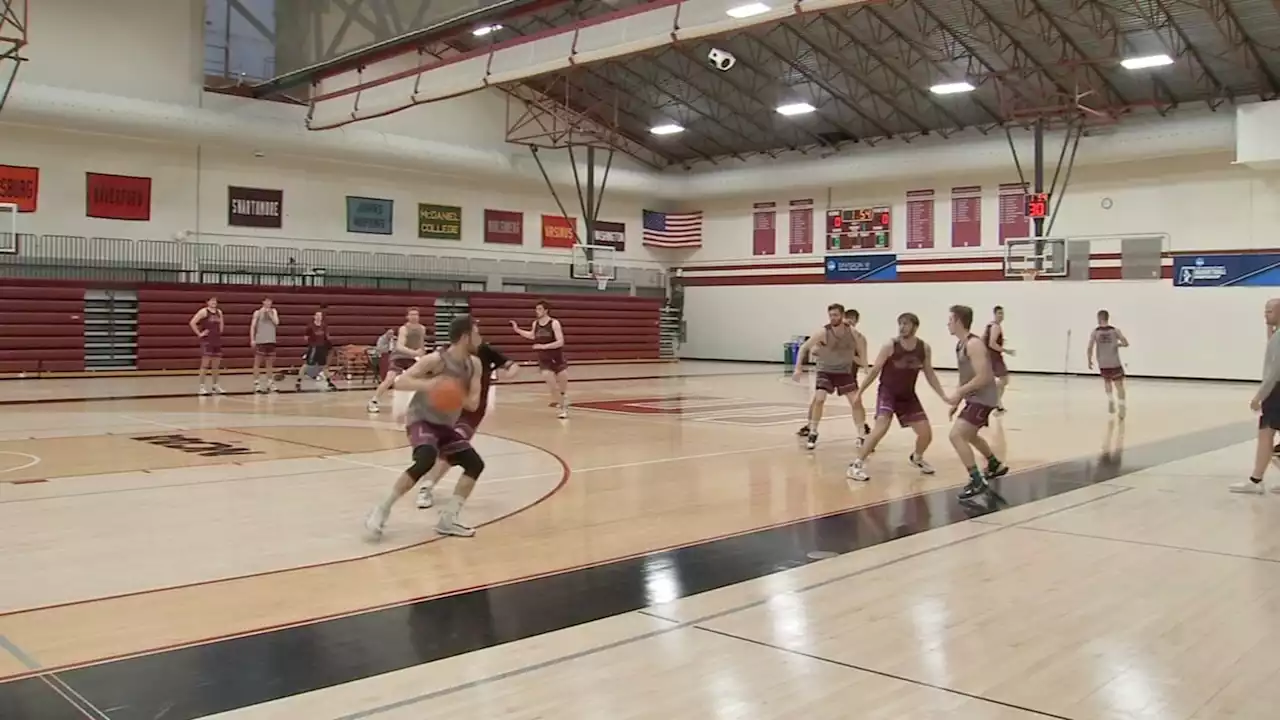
1261	270
862	268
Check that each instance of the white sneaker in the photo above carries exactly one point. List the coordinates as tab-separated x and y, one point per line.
272	388
202	391
563	412
372	407
921	465
1250	487
449	525
217	389
374	523
425	499
857	471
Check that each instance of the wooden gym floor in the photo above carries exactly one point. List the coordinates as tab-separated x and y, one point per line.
671	551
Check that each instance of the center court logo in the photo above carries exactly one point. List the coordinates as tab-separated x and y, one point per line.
1201	272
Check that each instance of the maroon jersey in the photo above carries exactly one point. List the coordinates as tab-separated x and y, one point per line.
986	339
212	326
490	362
552	360
898	376
317	335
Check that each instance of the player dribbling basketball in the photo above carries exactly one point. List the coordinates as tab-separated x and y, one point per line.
1104	343
980	396
898	365
838	360
432	427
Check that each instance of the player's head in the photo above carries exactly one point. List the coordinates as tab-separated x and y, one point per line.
835	313
1104	317
997	312
908	324
266	303
317	317
412	316
465	333
960	320
1273	312
211	303
851	316
542	309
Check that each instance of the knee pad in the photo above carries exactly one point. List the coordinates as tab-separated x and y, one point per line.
470	462
424	456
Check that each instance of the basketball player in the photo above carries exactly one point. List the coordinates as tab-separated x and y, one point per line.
898	365
993	338
1106	341
980	396
860	363
1266	402
208	325
838	361
262	338
493	366
432	431
410	345
317	354
548	339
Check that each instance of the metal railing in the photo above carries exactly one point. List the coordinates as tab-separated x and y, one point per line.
68	257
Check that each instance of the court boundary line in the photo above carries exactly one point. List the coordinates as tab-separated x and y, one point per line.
691	624
55	683
881	673
1143	543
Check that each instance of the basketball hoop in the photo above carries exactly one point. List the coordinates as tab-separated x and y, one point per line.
602	281
1030	274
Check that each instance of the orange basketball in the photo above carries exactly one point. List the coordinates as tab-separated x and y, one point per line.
447	394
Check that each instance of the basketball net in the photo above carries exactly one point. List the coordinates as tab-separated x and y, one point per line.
602	281
1030	274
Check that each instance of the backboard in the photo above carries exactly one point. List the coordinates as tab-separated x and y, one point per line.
593	262
8	229
1034	258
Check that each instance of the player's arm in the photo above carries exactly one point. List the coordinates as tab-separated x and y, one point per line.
473	393
997	341
886	352
253	326
507	368
977	351
930	374
554	344
802	354
1088	351
201	314
861	349
526	334
417	377
1124	341
402	338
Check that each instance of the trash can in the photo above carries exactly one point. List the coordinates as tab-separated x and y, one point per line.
789	352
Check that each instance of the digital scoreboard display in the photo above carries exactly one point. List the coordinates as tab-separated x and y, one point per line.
1037	205
858	229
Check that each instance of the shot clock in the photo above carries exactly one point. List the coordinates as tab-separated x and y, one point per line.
1037	205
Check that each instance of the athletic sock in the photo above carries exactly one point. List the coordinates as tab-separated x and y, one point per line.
1255	481
975	476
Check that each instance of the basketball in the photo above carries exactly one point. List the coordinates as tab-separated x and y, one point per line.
447	394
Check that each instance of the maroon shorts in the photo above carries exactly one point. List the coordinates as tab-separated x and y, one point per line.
400	364
976	414
906	407
1115	373
839	383
265	349
552	360
446	439
211	348
998	368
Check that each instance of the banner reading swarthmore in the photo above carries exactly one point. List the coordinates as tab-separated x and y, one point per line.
255	207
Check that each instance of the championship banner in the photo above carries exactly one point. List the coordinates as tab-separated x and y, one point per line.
255	207
117	197
966	216
764	229
370	216
558	231
1014	222
861	268
504	227
610	234
1244	270
801	220
920	211
20	186
439	222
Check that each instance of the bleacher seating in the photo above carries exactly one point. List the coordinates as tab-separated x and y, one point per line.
596	327
41	328
165	341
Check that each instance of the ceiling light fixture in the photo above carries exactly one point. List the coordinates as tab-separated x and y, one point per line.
1147	61
951	88
668	129
800	108
746	11
485	30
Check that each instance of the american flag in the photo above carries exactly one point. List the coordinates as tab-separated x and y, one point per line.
672	230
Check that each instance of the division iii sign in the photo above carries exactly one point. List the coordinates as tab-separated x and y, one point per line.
861	268
1261	270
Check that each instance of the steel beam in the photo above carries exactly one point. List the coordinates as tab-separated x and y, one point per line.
1243	48
1160	21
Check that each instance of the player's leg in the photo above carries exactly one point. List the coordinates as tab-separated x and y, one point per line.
269	361
425	454
215	368
562	387
1002	382
204	371
472	466
849	390
1264	449
257	364
885	411
1120	393
804	429
392	373
426	494
965	439
914	417
822	389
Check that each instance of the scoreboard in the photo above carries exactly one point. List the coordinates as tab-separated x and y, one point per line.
858	229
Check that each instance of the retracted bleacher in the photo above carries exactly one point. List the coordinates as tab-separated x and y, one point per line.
596	327
41	329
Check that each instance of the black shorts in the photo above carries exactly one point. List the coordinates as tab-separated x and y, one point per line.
1270	417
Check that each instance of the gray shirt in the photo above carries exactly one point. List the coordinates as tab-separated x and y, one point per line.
420	408
264	333
1270	366
414	336
1106	342
989	394
837	355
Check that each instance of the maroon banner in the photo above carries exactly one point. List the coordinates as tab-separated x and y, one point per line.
801	219
1014	222
764	229
117	197
920	213
504	227
966	216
